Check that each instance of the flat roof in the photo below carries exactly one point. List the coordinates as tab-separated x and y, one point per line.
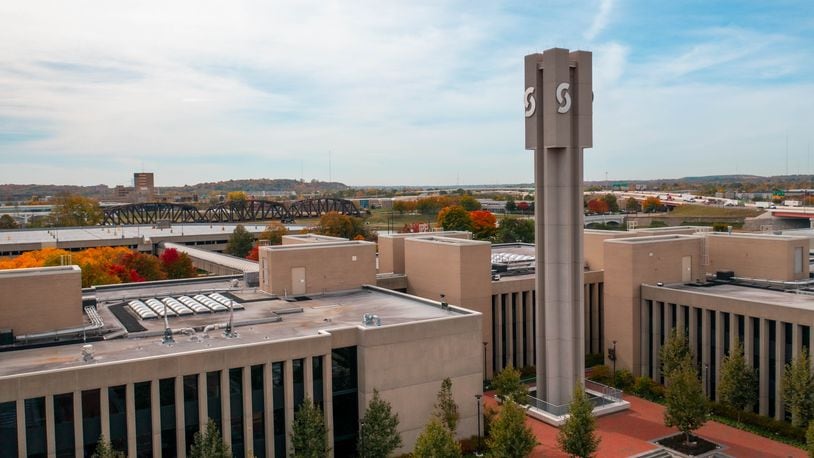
788	299
114	233
221	259
319	313
7	273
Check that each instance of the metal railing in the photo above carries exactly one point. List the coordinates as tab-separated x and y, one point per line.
553	409
607	395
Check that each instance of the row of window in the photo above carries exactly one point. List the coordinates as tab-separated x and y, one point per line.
344	394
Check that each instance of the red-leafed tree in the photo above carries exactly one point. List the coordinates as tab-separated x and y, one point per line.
254	255
484	224
598	206
177	265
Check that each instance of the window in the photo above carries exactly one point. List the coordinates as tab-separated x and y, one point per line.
278	397
144	423
117	407
191	420
258	416
63	425
345	400
91	420
166	396
35	436
298	368
213	397
798	260
8	429
316	365
236	410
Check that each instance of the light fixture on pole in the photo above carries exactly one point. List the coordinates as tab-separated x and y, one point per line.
480	447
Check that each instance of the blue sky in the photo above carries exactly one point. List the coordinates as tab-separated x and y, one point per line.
417	92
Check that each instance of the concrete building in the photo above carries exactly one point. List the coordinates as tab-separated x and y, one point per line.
144	186
334	340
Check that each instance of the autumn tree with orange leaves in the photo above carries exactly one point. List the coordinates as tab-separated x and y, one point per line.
484	224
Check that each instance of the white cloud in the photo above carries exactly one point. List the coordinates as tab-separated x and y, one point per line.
601	19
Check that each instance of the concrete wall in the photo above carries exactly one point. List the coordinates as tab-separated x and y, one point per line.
328	266
594	248
40	299
640	260
757	255
391	248
406	364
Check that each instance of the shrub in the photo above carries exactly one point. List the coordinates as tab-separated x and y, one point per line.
624	380
767	424
602	374
646	388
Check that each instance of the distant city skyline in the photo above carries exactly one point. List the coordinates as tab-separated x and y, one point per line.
377	94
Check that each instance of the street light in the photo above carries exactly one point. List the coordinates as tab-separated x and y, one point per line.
477	398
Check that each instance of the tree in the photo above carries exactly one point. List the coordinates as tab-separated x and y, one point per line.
611	201
105	450
511	205
469	203
513	230
632	205
484	224
738	382
335	224
378	435
686	407
597	206
810	439
509	437
75	210
436	441
7	222
508	386
445	407
146	266
797	386
210	444
651	204
240	243
674	353
455	218
577	436
237	196
274	233
176	264
309	435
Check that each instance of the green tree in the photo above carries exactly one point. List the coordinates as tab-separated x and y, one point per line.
632	205
436	441
686	407
105	450
210	444
511	205
240	243
309	435
613	204
445	407
7	222
797	386
469	203
455	218
508	386
810	439
577	436
274	233
738	381
509	436
674	353
75	210
378	435
512	230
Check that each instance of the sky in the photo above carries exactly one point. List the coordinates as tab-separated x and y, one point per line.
394	93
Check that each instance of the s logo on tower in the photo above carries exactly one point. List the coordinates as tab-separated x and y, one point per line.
531	105
563	98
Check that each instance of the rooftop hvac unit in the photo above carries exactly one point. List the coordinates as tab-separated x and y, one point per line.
726	275
6	337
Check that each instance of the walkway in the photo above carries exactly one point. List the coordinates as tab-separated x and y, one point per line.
627	433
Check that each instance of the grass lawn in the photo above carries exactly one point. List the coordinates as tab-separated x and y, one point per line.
379	219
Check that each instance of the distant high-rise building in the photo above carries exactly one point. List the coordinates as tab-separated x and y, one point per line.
144	186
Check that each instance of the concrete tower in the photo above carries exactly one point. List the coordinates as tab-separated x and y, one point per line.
558	99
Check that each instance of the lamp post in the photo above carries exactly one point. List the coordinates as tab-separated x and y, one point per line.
706	379
477	398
